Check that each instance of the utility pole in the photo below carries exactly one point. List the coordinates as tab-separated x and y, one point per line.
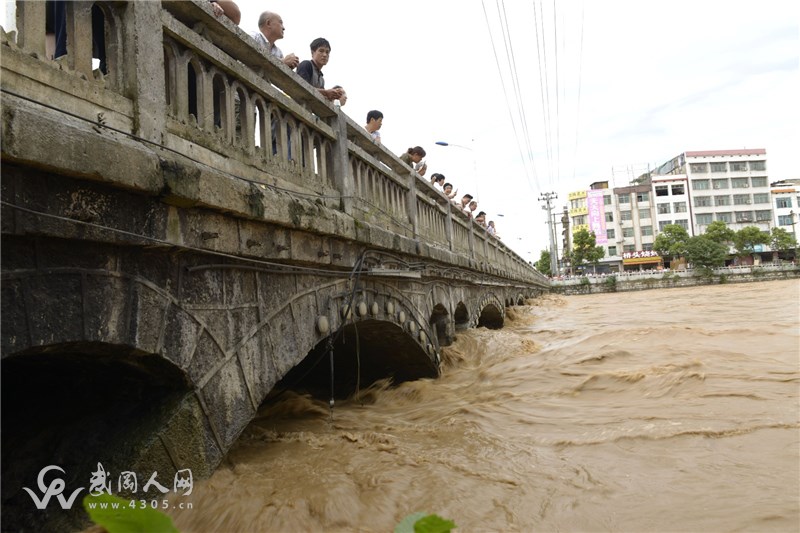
548	197
567	241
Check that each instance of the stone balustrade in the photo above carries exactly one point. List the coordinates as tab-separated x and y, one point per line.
178	77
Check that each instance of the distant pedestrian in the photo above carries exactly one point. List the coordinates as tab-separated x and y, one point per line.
414	157
374	123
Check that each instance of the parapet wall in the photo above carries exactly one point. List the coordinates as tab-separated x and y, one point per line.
668	280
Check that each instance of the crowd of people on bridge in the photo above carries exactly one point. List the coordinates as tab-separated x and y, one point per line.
270	30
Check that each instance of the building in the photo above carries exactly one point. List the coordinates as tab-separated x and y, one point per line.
726	185
622	220
691	190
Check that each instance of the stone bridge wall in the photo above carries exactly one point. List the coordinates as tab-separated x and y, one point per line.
168	260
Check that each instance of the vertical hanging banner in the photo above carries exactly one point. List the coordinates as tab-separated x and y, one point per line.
597	215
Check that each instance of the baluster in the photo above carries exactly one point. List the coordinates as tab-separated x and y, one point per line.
31	27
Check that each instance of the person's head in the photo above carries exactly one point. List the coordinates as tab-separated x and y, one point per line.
473	205
320	51
437	178
416	153
271	26
465	199
374	120
491	223
343	98
448	188
481	218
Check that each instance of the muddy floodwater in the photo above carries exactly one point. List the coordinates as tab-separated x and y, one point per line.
662	410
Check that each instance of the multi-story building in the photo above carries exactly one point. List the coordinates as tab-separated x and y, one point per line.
691	190
622	220
727	185
786	204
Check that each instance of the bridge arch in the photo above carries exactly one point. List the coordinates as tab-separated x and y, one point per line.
461	316
492	312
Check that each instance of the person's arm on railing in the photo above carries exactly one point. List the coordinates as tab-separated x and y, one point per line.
227	8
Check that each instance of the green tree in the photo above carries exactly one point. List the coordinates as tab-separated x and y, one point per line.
718	231
671	242
781	240
543	264
585	249
746	239
705	252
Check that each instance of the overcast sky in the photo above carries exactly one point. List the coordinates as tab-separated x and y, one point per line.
602	89
622	85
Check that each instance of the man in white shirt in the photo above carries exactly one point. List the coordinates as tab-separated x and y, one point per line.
270	26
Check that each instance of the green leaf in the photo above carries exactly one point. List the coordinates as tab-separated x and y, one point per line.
123	519
433	524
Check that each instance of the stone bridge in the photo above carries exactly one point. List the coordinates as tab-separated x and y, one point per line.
195	229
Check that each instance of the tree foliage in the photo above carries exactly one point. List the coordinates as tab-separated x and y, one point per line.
746	239
781	240
706	252
543	264
718	231
585	249
671	242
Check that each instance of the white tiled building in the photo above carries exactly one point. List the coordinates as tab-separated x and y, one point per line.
727	185
786	204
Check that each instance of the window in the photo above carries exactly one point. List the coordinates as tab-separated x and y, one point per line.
764	215
721	183
704	219
758	165
644	213
647	246
662	190
719	167
625	215
607	199
612	250
699	168
579	220
624	198
578	203
741	199
609	217
663	224
680	207
702	201
647	231
744	216
783	202
684	223
629	248
724	199
740	183
610	234
700	185
627	232
759	182
739	166
663	209
761	198
725	217
643	197
678	189
784	220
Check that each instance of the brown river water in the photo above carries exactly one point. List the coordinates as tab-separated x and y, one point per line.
661	410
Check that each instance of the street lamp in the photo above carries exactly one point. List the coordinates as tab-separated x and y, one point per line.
474	162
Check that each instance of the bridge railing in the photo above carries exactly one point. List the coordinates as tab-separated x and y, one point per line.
175	75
